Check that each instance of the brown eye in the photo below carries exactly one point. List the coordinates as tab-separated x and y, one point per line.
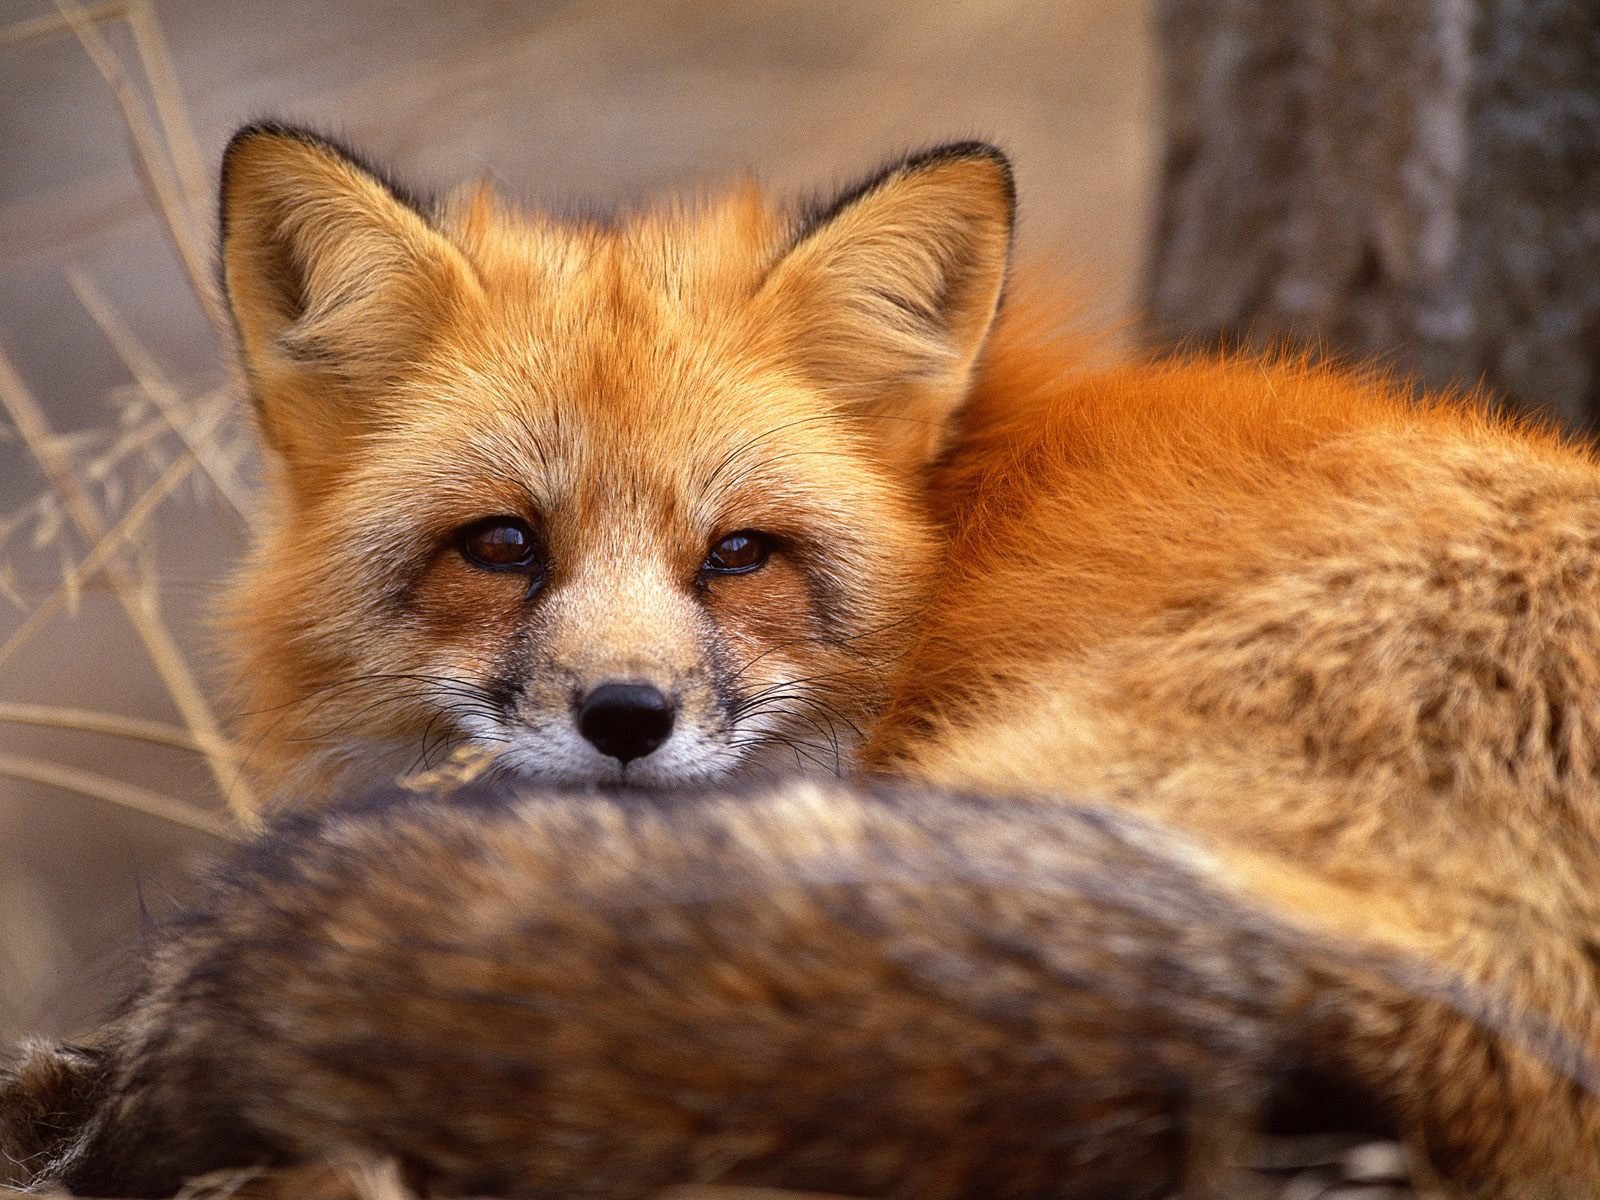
737	553
499	544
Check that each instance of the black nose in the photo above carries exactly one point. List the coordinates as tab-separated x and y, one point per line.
625	720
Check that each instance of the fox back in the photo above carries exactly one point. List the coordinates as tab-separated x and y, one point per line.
1348	637
1206	579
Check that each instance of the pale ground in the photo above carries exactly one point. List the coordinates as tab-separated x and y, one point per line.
611	101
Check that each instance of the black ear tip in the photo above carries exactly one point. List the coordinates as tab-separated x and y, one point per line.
267	129
284	131
256	132
959	151
814	215
233	154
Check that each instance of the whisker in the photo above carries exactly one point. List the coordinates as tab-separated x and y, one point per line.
813	639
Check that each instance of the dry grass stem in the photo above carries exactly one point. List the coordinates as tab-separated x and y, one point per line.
172	113
163	650
146	569
44	512
39	29
127	528
83	720
115	791
73	580
151	157
124	446
155	385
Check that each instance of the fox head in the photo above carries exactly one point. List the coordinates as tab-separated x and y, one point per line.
629	500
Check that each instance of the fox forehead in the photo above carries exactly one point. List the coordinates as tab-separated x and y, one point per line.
692	443
659	327
585	346
682	256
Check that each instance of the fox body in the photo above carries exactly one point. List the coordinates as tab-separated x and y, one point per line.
635	500
1348	639
1329	653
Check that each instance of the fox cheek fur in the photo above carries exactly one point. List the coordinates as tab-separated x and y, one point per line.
616	401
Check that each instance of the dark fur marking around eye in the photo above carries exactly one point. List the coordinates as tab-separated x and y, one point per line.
816	213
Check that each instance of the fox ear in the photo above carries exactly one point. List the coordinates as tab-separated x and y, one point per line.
334	279
888	293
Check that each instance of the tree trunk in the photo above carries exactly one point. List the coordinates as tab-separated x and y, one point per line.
1412	180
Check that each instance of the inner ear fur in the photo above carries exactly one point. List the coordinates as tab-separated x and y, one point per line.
888	293
333	276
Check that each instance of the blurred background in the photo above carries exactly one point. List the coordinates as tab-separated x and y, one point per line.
105	346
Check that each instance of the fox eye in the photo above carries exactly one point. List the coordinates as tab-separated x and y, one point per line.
499	544
737	553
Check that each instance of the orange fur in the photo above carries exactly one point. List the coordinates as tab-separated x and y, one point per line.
1083	504
633	392
1345	640
1351	641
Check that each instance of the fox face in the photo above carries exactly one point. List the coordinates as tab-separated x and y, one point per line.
635	500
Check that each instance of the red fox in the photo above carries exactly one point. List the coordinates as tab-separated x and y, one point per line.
641	502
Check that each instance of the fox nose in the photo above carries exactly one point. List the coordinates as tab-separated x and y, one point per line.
625	720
